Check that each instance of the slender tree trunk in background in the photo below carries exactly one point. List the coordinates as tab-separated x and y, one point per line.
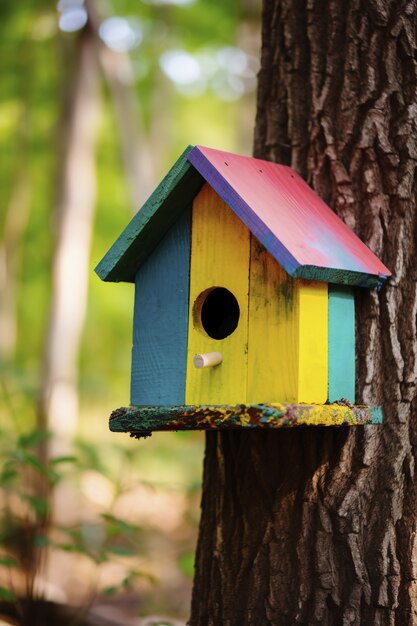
17	211
17	215
118	72
76	183
318	525
136	153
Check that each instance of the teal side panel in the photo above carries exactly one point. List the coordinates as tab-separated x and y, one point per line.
341	343
160	326
377	416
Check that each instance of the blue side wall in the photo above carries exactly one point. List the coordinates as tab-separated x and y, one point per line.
341	343
160	326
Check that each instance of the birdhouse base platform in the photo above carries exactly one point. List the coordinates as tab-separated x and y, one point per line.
141	421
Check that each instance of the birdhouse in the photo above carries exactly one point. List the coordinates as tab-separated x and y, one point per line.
244	311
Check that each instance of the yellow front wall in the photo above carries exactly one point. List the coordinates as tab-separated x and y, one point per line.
220	252
279	351
288	334
273	336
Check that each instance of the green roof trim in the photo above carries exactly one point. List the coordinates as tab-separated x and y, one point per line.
151	222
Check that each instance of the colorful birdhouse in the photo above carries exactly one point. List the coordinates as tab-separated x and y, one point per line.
244	300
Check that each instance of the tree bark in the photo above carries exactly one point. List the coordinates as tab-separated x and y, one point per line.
318	525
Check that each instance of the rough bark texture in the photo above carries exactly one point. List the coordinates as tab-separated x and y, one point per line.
318	526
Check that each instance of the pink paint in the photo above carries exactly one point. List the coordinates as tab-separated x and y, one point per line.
286	208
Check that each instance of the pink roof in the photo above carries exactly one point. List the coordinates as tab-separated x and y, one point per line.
286	215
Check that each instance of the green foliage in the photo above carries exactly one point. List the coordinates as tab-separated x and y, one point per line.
186	563
6	594
27	530
29	534
8	561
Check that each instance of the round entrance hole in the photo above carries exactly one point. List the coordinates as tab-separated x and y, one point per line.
219	312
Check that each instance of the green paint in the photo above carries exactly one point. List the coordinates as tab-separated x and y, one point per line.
341	343
287	292
151	222
142	421
340	277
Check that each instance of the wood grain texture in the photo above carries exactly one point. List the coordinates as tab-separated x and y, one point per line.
159	351
341	343
302	233
288	335
151	222
273	330
219	258
142	421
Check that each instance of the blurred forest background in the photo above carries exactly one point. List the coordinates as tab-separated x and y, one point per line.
97	100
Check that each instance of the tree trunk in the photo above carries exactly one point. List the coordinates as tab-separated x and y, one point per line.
17	211
76	182
135	146
16	219
118	72
318	525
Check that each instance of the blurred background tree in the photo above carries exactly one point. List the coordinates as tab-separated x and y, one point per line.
98	98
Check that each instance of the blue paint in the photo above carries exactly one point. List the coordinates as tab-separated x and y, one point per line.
160	327
377	417
341	343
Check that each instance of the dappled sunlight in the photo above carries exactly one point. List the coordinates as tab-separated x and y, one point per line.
97	488
145	505
172	2
229	72
73	15
76	577
182	68
121	34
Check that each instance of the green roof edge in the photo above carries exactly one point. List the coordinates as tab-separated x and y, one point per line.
339	276
111	267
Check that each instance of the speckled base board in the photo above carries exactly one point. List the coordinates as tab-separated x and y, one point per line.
142	421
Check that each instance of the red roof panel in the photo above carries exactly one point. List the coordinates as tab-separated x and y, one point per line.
285	214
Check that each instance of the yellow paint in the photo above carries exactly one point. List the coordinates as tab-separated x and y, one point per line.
142	420
313	341
288	319
273	336
220	247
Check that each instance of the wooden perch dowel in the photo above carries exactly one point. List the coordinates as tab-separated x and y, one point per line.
209	359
